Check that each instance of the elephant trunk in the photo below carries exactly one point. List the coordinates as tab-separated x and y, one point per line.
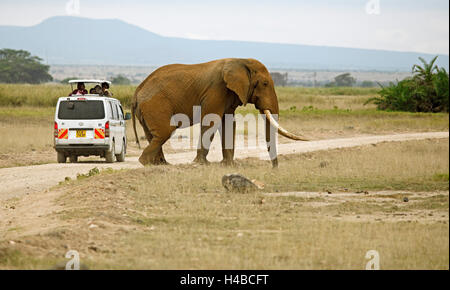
280	129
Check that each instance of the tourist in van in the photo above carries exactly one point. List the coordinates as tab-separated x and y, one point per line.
105	90
81	90
97	90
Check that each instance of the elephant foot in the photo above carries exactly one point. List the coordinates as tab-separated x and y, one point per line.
158	160
228	163
143	161
161	161
201	160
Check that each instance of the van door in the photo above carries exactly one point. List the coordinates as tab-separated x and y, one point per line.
115	127
123	134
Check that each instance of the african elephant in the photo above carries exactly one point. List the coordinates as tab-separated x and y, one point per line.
218	87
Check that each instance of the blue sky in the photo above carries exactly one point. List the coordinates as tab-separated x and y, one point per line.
403	25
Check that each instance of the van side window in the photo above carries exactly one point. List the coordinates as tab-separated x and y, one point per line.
120	111
115	114
110	111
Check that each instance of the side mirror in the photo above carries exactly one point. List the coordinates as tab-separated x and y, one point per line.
127	116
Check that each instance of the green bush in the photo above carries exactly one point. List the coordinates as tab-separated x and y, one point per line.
426	91
441	87
121	80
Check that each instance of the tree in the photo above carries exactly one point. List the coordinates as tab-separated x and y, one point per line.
19	66
121	80
279	79
345	80
342	80
425	72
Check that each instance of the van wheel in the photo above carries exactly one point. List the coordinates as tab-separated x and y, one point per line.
121	157
73	158
61	157
109	155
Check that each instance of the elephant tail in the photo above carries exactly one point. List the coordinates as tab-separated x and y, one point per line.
133	116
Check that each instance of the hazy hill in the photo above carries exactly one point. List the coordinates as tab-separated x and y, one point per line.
74	40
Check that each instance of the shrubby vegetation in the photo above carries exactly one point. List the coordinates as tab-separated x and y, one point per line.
19	66
368	84
426	91
120	80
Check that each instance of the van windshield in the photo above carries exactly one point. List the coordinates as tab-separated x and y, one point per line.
81	110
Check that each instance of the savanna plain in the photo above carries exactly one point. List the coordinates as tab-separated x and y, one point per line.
319	210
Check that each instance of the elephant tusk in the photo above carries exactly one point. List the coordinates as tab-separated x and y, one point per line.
281	130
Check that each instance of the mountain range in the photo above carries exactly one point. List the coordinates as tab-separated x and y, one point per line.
82	41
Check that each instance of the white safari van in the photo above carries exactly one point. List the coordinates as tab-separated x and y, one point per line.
90	124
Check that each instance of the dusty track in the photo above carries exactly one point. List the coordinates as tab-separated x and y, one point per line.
18	181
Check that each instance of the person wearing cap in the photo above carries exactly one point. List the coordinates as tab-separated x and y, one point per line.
81	90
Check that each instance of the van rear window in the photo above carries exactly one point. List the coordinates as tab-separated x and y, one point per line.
81	110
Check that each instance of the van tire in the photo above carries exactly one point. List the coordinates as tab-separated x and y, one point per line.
60	157
109	155
121	157
73	158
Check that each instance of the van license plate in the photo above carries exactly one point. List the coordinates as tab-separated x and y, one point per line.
81	133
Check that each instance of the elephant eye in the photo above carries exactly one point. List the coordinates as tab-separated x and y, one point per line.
266	83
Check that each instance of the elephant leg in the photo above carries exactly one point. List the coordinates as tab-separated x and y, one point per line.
157	129
160	159
203	150
147	133
228	139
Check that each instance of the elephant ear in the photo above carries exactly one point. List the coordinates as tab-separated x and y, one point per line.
237	78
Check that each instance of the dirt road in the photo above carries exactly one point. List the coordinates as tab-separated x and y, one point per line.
18	181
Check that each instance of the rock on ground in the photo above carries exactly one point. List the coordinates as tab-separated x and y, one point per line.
238	183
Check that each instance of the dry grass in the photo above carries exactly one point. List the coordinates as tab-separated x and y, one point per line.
25	129
324	98
26	136
181	217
